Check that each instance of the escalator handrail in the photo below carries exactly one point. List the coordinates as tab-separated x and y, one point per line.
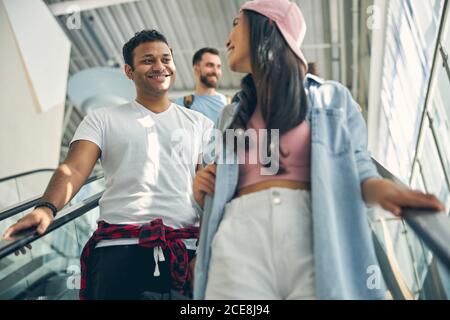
8	247
18	208
27	173
433	228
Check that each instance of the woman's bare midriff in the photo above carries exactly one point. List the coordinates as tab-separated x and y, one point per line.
283	184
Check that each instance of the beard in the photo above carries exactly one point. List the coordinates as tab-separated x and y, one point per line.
208	83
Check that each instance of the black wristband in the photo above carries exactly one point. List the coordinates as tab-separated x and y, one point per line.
47	205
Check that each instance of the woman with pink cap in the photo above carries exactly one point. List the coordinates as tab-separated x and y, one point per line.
298	231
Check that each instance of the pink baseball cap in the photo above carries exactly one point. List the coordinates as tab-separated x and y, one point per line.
289	19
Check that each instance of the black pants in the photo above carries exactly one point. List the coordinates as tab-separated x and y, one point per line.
126	273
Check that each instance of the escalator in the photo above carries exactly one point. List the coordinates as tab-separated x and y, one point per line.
46	271
414	253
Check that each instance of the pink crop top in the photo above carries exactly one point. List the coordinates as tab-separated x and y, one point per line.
295	145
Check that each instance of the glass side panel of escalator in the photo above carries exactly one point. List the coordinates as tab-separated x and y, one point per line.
416	263
19	189
51	270
86	191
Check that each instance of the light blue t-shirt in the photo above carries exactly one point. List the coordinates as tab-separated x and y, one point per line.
209	106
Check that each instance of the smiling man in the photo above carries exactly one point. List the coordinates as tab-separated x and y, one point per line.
147	215
207	68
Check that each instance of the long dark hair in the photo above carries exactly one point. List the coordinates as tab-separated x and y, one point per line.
276	83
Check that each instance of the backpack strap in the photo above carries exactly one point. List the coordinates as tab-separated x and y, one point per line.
188	101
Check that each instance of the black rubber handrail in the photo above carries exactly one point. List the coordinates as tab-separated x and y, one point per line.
20	207
8	247
25	174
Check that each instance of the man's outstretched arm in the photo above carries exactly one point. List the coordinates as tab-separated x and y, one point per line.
67	180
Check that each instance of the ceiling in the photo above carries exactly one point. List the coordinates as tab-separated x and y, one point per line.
189	25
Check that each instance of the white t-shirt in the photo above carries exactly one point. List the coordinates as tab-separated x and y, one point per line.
149	161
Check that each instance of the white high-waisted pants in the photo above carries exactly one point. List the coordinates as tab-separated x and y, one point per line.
263	248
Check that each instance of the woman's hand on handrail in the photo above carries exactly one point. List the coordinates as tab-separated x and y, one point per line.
393	197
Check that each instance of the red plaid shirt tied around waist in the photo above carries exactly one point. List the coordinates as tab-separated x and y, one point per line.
152	235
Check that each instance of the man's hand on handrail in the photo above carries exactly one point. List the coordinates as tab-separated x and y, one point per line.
39	218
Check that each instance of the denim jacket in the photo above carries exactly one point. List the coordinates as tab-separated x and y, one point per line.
344	254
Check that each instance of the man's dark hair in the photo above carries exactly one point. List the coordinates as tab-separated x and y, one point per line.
199	54
139	38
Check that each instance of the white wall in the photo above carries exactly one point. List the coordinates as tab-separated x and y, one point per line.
30	133
378	46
